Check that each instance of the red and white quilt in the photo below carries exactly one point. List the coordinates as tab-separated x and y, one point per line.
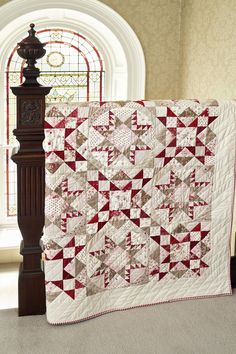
139	200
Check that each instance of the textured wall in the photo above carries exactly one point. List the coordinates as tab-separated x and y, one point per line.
2	2
157	25
208	49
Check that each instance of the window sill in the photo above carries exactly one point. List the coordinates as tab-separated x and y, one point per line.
10	238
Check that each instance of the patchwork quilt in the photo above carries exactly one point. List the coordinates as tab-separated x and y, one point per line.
139	199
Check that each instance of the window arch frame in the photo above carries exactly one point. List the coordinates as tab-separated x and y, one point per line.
125	73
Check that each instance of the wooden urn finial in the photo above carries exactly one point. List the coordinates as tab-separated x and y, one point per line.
31	49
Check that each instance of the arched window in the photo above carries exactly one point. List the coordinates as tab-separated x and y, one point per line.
82	37
73	67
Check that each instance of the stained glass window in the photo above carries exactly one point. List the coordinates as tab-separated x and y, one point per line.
73	66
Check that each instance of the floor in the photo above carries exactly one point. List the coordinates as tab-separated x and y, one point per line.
188	327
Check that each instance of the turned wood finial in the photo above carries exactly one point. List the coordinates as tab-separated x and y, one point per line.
31	49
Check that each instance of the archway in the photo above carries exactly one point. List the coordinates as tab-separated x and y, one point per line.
122	51
120	47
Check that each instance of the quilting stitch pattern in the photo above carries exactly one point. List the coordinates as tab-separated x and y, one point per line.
128	196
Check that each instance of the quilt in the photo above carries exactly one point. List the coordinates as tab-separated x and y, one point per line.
139	200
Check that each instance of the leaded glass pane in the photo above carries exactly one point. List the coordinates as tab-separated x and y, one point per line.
73	67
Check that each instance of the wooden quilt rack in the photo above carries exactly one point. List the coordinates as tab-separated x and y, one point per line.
30	162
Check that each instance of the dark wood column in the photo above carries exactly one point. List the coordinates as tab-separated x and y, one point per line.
233	271
30	162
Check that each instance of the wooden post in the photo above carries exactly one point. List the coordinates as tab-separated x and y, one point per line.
233	271
30	162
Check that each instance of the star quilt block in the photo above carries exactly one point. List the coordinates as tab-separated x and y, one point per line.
138	204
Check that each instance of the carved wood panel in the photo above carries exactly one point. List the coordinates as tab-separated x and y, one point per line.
31	112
